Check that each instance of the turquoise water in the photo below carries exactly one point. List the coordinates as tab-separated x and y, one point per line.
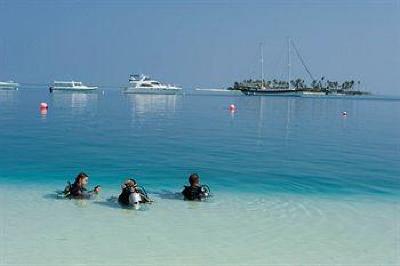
293	145
290	175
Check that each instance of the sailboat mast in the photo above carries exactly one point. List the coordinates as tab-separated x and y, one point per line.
289	63
262	65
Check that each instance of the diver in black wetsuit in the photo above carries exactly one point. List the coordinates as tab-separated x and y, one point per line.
132	194
78	190
195	191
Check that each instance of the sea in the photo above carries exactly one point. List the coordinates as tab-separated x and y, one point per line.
293	180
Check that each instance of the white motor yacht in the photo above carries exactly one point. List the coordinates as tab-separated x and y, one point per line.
141	84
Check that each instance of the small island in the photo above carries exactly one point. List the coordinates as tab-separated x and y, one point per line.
298	86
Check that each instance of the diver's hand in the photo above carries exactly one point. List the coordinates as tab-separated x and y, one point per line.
97	189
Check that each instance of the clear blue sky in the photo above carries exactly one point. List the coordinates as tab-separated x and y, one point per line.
202	44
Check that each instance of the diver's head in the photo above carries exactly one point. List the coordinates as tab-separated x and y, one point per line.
129	183
82	179
194	179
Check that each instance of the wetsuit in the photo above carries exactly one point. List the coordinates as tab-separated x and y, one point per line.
193	193
124	196
78	192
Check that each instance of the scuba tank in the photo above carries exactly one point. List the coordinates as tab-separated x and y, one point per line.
67	189
144	197
66	192
205	190
137	198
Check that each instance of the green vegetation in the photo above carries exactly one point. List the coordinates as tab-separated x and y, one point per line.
347	87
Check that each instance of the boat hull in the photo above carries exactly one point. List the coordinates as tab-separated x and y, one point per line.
218	92
88	89
312	93
156	91
271	92
8	86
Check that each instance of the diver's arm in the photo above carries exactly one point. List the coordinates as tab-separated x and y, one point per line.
145	198
86	194
89	194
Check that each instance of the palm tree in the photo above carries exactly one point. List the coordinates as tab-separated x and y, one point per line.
314	84
297	83
351	85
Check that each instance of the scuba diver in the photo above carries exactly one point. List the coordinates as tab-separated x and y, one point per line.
195	191
132	194
78	190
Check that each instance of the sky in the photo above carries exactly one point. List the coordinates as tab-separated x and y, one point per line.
200	44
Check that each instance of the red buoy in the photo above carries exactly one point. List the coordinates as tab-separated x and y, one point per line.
44	106
232	108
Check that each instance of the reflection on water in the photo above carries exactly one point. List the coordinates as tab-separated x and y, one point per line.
8	96
79	101
43	113
291	102
281	115
260	120
270	114
153	103
144	105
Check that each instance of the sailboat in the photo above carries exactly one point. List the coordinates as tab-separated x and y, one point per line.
289	91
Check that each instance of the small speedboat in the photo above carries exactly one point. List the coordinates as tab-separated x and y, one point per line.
70	86
8	85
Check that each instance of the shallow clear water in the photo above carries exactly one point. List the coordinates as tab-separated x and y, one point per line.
294	181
